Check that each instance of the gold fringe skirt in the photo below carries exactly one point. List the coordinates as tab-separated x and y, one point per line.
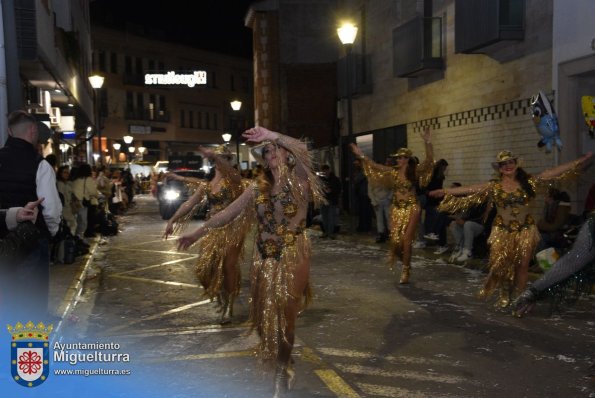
272	285
212	251
507	250
400	217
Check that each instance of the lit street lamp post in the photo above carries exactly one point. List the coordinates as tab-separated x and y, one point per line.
97	82
117	147
347	34
236	106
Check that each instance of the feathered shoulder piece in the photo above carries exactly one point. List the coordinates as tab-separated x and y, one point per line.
378	175
456	204
193	187
424	172
301	171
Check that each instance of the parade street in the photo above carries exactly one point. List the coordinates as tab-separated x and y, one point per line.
363	335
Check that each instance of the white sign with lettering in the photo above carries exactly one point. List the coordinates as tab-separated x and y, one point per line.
172	78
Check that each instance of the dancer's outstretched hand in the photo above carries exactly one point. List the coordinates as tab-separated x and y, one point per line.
585	157
259	134
356	150
169	229
186	240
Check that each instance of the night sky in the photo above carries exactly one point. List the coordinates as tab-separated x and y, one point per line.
206	24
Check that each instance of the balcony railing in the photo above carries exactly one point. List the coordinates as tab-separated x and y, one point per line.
417	47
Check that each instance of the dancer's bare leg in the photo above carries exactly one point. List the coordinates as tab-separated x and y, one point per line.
230	282
407	243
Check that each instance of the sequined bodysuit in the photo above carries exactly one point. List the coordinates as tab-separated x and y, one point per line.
281	248
404	202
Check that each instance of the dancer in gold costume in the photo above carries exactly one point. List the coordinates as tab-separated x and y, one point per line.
403	180
514	235
218	269
281	263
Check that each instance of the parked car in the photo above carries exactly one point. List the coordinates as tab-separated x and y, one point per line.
172	193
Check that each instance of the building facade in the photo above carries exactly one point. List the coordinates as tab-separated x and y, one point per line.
170	98
465	68
47	61
295	68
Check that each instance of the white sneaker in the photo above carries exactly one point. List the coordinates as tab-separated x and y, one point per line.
441	249
465	255
431	236
455	253
418	244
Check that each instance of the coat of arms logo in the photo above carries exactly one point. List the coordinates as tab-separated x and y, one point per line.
29	353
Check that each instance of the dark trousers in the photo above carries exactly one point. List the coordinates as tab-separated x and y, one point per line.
329	218
26	290
436	222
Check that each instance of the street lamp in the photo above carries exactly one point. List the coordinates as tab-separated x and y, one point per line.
116	146
141	151
128	139
236	105
347	33
97	82
226	137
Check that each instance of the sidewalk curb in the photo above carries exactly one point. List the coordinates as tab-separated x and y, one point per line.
75	288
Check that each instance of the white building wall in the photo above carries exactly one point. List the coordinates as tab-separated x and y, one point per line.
573	33
573	76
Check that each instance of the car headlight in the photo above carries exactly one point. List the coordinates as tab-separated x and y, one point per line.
171	194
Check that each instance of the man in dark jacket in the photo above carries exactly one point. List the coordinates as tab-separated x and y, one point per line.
329	212
24	177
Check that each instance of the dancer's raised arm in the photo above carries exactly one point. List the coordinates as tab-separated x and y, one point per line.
369	162
220	219
564	168
222	163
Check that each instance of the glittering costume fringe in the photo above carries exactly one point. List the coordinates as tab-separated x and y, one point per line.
185	220
457	204
271	287
212	250
304	161
507	249
400	216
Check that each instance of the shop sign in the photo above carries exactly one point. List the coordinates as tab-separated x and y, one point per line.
172	78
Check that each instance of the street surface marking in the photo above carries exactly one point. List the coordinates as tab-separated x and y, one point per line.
336	384
437	378
185	331
395	392
389	358
147	250
135	278
156	316
216	355
156	265
144	243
